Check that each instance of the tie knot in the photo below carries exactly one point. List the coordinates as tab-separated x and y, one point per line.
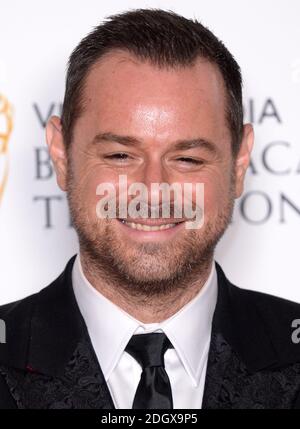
149	349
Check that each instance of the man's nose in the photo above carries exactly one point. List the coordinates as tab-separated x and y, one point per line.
154	172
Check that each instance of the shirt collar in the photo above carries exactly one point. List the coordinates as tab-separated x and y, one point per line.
110	328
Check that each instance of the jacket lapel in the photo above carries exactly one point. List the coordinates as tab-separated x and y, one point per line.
51	362
245	369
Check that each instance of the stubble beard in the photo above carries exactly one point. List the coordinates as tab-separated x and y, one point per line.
145	270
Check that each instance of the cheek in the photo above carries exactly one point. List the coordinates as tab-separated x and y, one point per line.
216	194
87	182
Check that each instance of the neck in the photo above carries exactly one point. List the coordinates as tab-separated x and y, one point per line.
146	309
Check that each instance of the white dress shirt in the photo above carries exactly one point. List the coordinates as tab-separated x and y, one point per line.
110	329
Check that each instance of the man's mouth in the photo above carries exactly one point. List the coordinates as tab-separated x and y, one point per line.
149	224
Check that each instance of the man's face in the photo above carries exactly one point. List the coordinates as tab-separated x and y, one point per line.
156	108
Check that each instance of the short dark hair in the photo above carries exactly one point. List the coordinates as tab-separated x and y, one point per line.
166	40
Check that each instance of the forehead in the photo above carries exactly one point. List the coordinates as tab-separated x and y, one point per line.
123	93
120	74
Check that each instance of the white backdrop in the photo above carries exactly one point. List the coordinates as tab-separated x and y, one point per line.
260	250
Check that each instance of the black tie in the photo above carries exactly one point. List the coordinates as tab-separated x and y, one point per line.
154	389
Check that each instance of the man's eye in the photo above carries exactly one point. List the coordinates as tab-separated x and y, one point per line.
190	160
118	156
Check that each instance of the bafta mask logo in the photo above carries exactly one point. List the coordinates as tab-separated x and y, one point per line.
6	125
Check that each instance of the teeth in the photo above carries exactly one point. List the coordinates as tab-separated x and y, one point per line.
141	227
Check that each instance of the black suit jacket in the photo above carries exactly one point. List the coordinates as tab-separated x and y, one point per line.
48	360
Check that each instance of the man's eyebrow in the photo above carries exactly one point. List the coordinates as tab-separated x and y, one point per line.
197	143
178	144
111	137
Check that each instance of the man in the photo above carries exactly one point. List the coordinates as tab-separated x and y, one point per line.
143	317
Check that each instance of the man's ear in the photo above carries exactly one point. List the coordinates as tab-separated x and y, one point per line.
57	150
243	159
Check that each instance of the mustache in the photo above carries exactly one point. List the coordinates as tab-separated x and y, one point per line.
168	209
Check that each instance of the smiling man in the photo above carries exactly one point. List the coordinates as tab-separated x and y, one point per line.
143	316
